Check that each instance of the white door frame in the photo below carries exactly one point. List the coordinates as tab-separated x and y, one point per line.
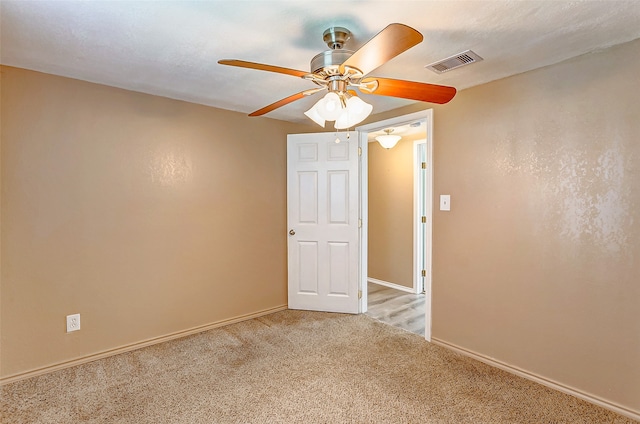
427	117
420	208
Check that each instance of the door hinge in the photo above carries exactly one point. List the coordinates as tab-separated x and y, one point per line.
424	165
359	223
424	272
359	294
424	219
359	151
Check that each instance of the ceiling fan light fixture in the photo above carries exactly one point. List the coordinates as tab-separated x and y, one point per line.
344	109
329	107
388	141
356	111
315	116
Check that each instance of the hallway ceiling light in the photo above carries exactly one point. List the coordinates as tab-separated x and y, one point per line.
388	141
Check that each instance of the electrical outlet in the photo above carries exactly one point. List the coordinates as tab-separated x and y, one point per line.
73	322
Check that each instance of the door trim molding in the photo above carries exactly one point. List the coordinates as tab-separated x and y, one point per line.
427	117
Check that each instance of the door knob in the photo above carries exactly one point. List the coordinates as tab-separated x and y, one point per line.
292	232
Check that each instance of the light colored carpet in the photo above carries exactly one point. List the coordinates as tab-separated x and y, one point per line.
292	367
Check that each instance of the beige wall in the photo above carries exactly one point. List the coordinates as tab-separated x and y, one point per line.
537	265
148	216
538	262
391	213
131	208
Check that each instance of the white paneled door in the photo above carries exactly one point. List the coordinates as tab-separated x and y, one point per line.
322	215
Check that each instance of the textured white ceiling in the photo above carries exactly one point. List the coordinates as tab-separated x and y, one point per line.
171	48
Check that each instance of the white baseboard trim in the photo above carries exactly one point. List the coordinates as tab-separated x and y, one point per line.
392	285
138	345
541	380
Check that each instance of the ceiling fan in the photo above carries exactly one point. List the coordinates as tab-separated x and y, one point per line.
340	71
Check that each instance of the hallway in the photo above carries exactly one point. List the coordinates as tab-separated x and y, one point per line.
396	307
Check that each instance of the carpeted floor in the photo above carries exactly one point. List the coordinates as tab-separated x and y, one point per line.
292	367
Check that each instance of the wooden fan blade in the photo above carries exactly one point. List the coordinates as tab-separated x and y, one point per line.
278	104
421	91
384	46
262	67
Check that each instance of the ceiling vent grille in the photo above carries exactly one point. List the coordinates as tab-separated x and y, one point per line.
461	59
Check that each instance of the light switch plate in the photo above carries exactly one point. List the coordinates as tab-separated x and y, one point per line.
445	202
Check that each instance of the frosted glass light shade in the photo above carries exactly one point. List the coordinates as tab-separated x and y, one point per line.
388	141
355	112
315	116
329	107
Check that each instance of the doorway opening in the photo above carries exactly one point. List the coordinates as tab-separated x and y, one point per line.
396	239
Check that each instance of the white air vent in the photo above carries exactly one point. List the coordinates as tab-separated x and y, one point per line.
461	59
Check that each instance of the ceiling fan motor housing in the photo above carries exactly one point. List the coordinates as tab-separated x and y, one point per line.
328	62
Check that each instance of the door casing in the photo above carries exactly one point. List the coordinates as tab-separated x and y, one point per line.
361	135
363	131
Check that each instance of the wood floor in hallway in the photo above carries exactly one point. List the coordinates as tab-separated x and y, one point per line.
396	307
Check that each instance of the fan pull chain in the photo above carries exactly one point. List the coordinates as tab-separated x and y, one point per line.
337	140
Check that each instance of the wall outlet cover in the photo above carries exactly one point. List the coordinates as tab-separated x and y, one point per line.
73	322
